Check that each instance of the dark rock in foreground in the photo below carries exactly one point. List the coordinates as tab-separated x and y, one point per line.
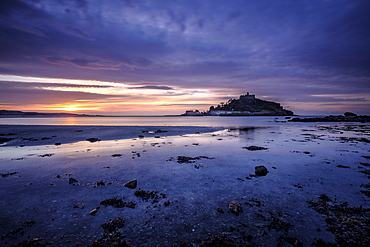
255	148
72	181
260	171
235	207
131	184
93	139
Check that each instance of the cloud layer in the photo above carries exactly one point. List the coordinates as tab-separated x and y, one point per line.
294	52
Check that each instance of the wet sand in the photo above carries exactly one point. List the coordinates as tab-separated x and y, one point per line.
73	193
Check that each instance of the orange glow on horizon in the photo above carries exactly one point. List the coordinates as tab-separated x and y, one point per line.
73	108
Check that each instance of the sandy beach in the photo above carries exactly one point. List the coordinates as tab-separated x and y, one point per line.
185	186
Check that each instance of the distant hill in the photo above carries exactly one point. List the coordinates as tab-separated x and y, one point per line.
248	105
6	113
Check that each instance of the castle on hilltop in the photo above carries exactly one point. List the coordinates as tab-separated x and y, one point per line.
247	97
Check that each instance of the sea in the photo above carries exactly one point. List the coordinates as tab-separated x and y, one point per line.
205	121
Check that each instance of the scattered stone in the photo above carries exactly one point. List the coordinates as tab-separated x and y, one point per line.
342	166
255	148
235	207
131	184
186	159
80	205
72	180
93	139
30	139
306	152
118	203
113	225
5	139
167	203
160	131
331	118
349	224
45	138
46	155
260	171
220	210
146	195
279	224
9	134
58	144
116	155
100	183
94	211
4	175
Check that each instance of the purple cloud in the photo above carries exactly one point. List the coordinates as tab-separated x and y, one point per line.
283	50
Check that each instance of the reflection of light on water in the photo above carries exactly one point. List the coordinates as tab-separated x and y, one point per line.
70	121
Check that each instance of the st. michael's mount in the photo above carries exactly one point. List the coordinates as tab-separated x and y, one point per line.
246	105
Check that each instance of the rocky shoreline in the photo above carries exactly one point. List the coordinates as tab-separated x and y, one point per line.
338	118
288	185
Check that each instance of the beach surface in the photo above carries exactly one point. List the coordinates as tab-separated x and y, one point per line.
185	186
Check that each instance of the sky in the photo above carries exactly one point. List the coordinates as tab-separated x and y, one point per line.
137	57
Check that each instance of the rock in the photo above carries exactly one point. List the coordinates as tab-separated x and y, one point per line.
260	171
93	139
113	225
80	205
72	181
146	195
350	114
94	211
100	183
235	207
116	155
131	184
255	148
118	203
160	131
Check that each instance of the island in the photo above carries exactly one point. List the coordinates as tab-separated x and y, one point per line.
22	114
246	105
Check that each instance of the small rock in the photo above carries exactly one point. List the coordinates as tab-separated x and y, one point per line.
93	139
94	211
235	207
72	181
131	184
220	210
260	171
116	155
255	148
80	205
113	225
100	183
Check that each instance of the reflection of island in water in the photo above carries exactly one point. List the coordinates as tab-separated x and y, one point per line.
246	105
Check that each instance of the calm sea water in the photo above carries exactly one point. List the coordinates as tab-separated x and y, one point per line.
212	121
